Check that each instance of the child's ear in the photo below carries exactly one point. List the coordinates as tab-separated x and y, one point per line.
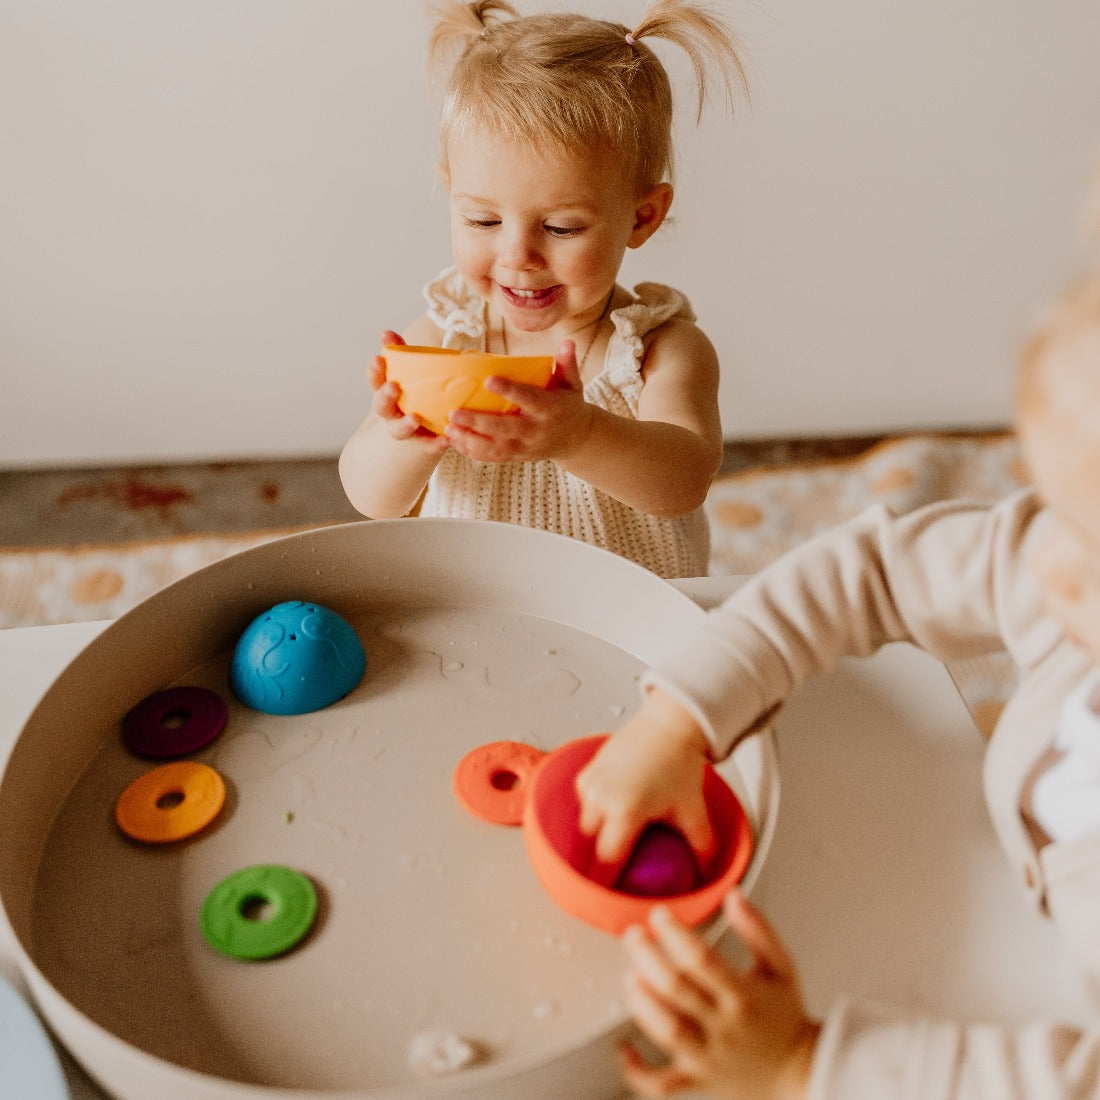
649	212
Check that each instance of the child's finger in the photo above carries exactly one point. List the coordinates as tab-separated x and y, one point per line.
591	816
616	838
486	424
567	375
430	442
519	393
759	936
693	958
376	372
695	824
403	427
655	968
385	407
652	1081
674	1032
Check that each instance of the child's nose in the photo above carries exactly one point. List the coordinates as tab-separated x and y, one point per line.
519	251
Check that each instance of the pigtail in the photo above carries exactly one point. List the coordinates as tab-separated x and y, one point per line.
458	25
706	40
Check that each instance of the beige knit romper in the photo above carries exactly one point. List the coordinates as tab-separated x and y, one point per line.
540	494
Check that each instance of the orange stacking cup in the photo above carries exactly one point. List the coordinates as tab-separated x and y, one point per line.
436	381
499	781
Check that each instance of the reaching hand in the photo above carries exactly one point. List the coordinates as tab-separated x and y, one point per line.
385	404
546	423
650	769
739	1034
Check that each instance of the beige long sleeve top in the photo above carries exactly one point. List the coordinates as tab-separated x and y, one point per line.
955	579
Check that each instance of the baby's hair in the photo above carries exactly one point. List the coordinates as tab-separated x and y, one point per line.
577	82
1060	365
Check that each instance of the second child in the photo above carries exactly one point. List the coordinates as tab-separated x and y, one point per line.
957	579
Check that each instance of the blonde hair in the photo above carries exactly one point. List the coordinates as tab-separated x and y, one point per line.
574	81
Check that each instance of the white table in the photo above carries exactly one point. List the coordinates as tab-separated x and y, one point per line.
30	659
884	877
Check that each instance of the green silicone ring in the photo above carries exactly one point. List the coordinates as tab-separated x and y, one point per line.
258	912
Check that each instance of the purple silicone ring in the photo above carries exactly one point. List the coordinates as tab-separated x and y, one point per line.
174	722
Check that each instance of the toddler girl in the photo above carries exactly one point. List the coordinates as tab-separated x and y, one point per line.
958	580
556	153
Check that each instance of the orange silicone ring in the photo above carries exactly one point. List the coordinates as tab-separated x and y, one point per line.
492	780
171	802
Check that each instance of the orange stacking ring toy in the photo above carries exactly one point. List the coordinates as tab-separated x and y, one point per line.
494	779
171	802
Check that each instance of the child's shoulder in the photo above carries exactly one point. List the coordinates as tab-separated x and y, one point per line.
659	320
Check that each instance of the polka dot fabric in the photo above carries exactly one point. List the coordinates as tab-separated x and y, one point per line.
757	515
80	584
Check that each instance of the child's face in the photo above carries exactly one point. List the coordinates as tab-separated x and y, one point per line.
1063	451
538	234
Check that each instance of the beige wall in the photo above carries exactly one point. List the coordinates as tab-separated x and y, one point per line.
208	211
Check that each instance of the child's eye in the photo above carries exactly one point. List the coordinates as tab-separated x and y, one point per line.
481	223
564	230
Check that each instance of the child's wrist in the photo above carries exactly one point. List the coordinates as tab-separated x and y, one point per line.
676	721
578	437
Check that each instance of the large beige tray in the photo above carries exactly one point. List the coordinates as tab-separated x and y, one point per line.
430	920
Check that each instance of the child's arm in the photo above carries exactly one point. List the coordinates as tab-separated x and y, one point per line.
386	463
936	577
735	1033
662	463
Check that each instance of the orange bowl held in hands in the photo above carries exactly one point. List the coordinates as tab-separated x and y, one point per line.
436	381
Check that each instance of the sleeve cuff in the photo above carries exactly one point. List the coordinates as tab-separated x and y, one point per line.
728	678
866	1053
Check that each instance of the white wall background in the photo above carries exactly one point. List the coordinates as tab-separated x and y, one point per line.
210	208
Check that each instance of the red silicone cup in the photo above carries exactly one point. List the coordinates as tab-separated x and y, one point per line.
564	858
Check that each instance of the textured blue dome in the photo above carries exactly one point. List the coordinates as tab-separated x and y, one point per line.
295	658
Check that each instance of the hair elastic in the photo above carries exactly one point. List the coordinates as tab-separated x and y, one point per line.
630	40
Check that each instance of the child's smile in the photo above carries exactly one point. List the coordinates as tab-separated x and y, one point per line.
533	299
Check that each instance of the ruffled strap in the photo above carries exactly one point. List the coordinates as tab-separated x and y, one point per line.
456	310
655	304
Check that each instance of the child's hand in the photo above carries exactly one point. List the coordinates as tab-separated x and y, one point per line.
547	423
384	404
740	1035
650	769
